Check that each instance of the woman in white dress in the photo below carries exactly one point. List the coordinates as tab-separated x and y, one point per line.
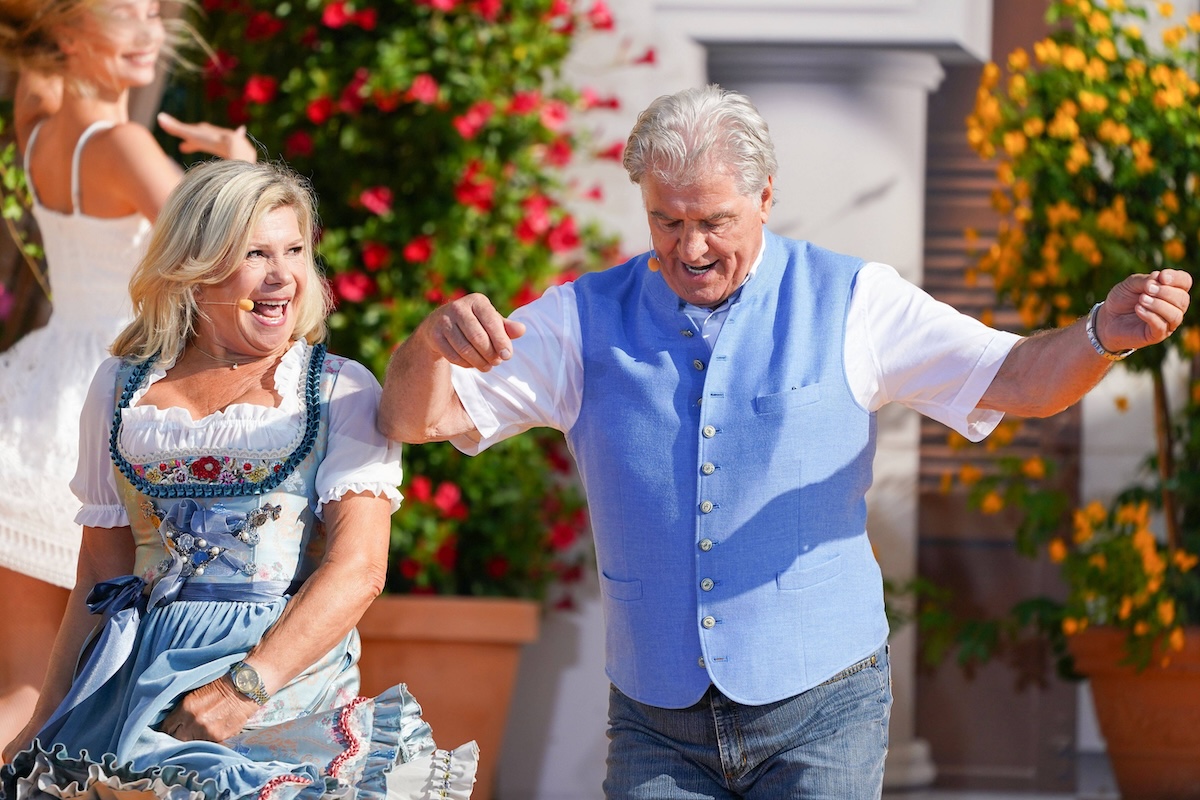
98	181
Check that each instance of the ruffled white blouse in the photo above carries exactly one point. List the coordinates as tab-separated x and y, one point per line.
358	458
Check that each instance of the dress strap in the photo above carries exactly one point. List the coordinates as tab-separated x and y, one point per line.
102	124
28	157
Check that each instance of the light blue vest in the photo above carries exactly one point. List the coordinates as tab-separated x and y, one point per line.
726	492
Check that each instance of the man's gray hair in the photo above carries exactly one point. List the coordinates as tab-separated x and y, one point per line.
683	136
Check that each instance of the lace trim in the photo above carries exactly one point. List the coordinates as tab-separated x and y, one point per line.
275	783
300	378
206	475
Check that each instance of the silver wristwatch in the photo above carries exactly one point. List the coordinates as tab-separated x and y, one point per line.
1100	349
247	681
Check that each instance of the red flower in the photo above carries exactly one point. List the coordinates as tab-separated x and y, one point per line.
387	101
473	191
447	498
600	16
206	469
559	8
554	115
418	250
559	153
446	555
524	102
262	25
473	120
421	489
335	14
377	199
375	255
536	220
353	287
298	144
366	19
648	57
320	110
352	100
424	89
595	193
496	566
589	99
524	296
563	236
410	568
440	5
489	9
613	152
562	535
260	89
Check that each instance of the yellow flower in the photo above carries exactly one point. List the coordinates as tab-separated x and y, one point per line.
1099	562
1172	37
1166	612
1014	143
1106	49
1099	22
1034	468
1018	60
1135	514
1193	23
1142	161
1033	127
1176	639
1083	528
1078	158
1063	126
1141	628
1062	213
1135	69
987	317
1166	9
1073	58
1114	219
1083	244
1092	102
1126	608
1170	97
1185	560
1018	88
1133	32
1122	403
1191	337
1170	201
1174	250
1116	5
1057	551
992	503
1047	52
1005	174
946	483
969	474
990	75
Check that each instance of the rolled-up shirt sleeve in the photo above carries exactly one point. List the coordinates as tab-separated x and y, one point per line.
923	353
540	386
358	458
94	483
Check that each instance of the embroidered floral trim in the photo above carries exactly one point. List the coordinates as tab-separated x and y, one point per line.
346	736
273	784
208	475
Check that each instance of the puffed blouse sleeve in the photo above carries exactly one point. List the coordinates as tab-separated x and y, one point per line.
357	458
94	483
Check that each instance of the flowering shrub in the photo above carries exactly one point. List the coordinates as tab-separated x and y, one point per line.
1096	136
435	133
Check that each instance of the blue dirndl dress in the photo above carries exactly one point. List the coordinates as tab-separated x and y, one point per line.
222	541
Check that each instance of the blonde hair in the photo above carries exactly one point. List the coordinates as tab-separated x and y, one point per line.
200	239
29	31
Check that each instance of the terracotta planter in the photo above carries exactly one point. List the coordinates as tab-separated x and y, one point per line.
1148	718
459	657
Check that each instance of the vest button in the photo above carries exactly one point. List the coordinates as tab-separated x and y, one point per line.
706	545
707	584
698	364
706	507
700	661
686	332
708	468
709	622
709	431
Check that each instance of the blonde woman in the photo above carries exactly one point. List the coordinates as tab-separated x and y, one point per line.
236	504
99	181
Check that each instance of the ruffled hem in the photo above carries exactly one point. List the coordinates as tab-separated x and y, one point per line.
378	488
369	749
101	516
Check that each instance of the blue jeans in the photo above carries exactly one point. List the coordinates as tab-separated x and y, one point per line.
828	743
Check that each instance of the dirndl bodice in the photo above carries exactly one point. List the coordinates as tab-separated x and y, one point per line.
222	540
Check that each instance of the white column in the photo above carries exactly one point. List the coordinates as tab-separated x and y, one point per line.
849	129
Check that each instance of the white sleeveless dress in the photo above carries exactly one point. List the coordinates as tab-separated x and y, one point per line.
45	376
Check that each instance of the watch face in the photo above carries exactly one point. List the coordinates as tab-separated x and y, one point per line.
245	678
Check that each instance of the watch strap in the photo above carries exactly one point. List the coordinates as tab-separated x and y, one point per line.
257	692
1100	349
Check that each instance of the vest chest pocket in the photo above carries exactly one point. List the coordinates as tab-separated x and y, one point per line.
789	398
621	590
811	576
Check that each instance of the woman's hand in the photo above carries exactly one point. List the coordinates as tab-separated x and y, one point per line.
24	739
213	713
204	137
